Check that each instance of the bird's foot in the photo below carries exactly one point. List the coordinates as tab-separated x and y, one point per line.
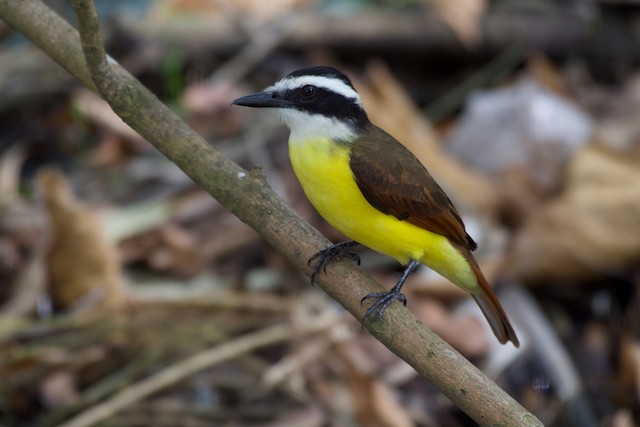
382	301
325	256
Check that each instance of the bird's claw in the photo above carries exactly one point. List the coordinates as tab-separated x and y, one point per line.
327	255
383	300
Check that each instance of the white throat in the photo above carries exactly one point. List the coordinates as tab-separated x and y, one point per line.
305	126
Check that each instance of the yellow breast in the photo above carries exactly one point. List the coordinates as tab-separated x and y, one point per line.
322	166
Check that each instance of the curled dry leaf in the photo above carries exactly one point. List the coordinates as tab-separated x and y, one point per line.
82	263
591	229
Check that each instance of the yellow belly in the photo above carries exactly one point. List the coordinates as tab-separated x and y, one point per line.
324	173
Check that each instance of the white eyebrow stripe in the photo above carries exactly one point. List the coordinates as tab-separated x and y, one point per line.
334	85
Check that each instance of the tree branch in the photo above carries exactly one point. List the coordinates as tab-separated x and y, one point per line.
248	197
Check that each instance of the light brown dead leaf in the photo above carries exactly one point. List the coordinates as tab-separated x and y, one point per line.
591	228
177	252
112	150
204	98
463	17
388	409
466	333
545	73
82	263
235	236
207	105
623	418
375	403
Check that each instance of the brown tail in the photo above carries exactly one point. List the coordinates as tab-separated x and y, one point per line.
491	308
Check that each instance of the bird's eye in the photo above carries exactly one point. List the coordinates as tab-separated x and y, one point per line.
308	90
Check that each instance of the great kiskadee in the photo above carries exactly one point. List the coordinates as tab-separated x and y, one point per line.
373	189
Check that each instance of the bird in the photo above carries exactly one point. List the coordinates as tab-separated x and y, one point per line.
370	187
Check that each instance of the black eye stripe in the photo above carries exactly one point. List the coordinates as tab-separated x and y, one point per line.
327	103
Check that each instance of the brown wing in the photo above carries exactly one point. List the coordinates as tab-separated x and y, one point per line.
394	181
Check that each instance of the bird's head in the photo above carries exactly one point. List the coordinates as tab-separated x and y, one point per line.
314	102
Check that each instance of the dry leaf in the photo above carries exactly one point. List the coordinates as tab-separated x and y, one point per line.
388	410
547	75
522	128
112	150
209	98
82	264
591	229
374	401
177	252
463	16
466	333
623	418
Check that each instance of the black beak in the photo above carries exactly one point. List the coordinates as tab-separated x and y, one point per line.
263	100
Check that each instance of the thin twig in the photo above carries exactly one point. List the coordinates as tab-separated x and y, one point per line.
174	373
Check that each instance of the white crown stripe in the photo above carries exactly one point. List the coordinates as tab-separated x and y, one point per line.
332	84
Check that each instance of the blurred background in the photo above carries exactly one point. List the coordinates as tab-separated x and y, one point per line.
121	282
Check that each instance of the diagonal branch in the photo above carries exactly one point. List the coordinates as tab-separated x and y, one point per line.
247	195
